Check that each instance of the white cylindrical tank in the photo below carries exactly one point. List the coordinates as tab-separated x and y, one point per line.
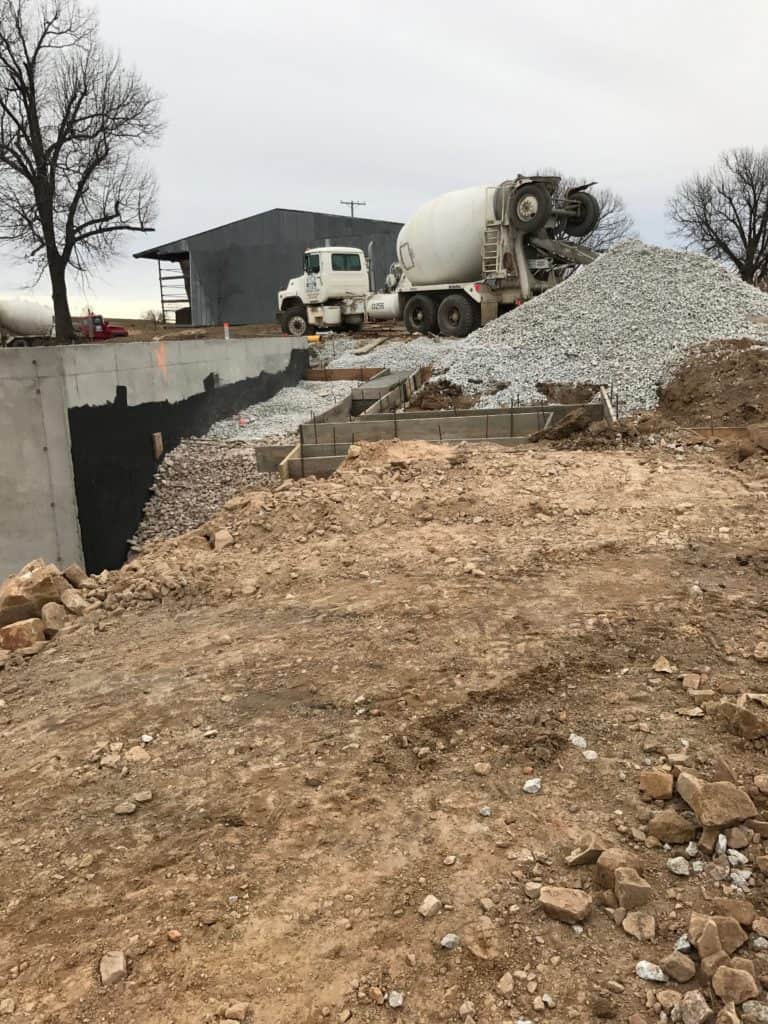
442	242
383	306
22	319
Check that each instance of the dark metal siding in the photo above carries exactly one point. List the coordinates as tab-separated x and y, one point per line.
237	269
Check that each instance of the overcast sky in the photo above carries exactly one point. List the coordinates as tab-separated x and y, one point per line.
301	104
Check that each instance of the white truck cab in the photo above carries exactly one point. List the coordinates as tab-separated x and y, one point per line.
330	293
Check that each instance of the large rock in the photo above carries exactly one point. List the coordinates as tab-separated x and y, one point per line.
568	905
74	601
744	721
22	596
21	634
694	1008
610	860
670	827
54	617
679	967
719	804
640	926
632	891
587	852
734	986
711	934
741	910
113	967
76	576
657	785
754	1012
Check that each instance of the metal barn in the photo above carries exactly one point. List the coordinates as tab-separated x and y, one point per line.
233	273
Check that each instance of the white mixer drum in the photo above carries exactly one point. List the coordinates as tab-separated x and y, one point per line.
442	242
22	319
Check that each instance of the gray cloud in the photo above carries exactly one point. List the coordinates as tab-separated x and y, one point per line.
301	104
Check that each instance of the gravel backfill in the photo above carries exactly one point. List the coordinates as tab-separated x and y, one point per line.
277	420
200	474
192	483
627	320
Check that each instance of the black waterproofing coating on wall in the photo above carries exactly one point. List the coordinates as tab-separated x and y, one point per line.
114	461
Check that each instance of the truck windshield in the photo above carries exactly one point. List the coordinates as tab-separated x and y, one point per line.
311	262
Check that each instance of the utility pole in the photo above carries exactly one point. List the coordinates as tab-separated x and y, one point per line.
352	203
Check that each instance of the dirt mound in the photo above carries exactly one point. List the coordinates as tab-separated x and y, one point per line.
567	394
722	383
441	394
244	774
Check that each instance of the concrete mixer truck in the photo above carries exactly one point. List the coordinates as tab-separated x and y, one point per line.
20	319
463	259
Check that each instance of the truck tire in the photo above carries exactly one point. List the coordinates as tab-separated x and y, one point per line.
588	216
457	316
530	208
294	321
419	315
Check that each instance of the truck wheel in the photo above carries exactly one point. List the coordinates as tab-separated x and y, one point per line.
531	208
294	321
588	216
456	316
419	315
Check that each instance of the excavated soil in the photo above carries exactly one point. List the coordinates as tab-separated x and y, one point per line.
724	383
441	394
318	696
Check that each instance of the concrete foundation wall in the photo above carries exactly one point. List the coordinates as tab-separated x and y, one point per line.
38	509
76	457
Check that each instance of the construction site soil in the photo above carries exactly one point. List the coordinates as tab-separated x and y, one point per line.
724	382
248	769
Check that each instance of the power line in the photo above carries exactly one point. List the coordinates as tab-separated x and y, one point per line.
352	203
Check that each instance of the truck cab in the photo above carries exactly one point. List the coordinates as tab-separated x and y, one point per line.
330	293
95	328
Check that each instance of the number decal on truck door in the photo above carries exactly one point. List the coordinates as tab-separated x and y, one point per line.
406	256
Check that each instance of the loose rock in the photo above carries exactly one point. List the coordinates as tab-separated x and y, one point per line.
632	891
734	986
640	926
568	905
679	967
430	906
648	971
113	967
694	1008
657	785
670	827
237	1011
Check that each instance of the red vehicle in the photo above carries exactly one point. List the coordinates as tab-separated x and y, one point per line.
96	328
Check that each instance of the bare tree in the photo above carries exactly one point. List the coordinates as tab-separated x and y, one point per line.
71	117
724	212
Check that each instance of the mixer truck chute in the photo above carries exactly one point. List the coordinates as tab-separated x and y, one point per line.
463	259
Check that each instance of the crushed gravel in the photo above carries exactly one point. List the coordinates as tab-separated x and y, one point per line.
195	479
192	483
628	320
278	419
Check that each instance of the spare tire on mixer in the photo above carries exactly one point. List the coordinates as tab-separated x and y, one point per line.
588	216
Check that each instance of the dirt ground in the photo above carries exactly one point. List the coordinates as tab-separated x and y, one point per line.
441	394
343	707
725	382
144	330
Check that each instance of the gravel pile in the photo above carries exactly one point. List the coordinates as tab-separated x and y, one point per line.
627	320
193	482
277	420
